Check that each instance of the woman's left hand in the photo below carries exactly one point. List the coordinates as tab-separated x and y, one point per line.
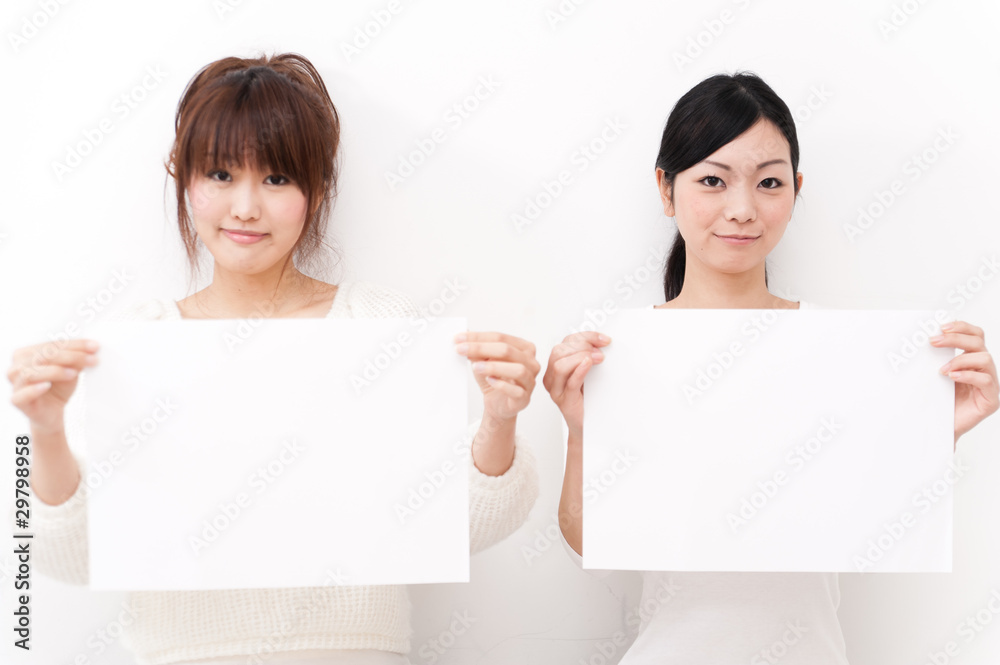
975	375
505	369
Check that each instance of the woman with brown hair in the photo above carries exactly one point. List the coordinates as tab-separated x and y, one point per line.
254	165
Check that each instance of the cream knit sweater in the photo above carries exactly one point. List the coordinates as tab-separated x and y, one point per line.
173	626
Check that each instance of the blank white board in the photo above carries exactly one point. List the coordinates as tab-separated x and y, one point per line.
769	440
293	452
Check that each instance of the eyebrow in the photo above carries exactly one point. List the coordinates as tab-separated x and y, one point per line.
759	166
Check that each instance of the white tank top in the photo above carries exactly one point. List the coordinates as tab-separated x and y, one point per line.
738	617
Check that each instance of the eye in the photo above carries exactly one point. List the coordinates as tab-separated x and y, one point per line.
775	183
218	175
711	181
277	179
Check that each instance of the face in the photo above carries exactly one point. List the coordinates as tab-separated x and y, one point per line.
248	219
732	208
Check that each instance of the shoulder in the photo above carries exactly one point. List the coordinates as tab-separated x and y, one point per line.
148	310
367	299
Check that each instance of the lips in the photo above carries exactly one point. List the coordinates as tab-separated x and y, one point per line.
738	240
244	237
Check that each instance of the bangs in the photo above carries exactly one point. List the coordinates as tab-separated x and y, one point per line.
712	124
258	122
715	112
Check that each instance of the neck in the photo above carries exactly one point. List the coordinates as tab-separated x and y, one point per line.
706	288
269	293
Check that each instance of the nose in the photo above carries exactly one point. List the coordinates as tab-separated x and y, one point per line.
245	204
740	204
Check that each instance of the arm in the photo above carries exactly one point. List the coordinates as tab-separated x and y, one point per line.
55	474
43	378
500	503
60	533
569	363
59	511
571	506
493	445
571	500
58	504
504	479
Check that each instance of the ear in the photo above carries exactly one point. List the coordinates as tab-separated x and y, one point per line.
665	193
798	179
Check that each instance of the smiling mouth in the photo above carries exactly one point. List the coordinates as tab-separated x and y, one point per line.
244	237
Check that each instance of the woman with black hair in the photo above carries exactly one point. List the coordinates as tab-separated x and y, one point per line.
727	171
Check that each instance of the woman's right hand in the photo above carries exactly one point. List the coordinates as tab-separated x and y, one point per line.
44	377
569	363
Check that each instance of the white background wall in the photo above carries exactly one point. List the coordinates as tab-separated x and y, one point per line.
872	85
